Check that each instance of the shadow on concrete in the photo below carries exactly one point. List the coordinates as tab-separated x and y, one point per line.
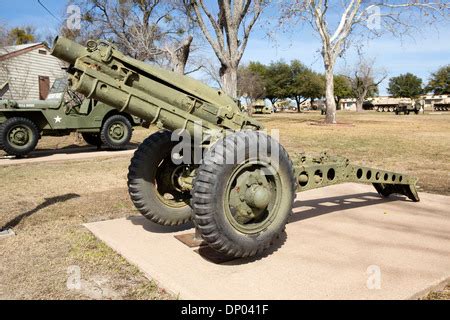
210	255
149	226
318	207
47	203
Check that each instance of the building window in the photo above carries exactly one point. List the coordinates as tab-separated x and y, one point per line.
44	52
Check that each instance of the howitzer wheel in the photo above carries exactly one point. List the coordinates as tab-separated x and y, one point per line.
152	182
241	208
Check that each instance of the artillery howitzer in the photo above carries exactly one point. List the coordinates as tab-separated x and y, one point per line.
239	207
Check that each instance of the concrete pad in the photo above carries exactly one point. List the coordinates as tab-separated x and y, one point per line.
344	242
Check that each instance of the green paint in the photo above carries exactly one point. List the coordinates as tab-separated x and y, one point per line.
62	113
251	198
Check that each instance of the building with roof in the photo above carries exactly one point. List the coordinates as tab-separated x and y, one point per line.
30	71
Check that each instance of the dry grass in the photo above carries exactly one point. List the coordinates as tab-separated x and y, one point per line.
416	145
439	295
46	203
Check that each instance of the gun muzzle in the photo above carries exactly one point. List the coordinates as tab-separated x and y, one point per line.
67	50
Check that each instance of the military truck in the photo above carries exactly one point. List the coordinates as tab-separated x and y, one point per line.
407	108
262	107
23	123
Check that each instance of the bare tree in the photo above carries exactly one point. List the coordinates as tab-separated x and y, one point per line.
3	35
211	72
250	86
148	30
395	16
227	31
365	80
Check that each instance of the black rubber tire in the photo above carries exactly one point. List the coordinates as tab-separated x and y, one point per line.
92	139
209	193
142	186
15	150
110	142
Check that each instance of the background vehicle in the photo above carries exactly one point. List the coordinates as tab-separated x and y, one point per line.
22	123
396	105
407	108
262	107
443	105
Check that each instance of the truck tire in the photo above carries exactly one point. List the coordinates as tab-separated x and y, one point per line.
241	209
152	185
18	136
116	132
92	139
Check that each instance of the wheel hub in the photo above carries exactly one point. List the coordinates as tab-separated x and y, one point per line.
19	136
117	131
252	196
258	197
172	184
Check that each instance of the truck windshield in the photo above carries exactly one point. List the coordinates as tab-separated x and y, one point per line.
57	90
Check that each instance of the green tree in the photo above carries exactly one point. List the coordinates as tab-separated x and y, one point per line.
278	80
342	88
307	85
405	86
282	80
440	81
21	35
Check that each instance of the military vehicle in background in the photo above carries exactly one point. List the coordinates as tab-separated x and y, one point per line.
407	108
388	104
261	106
22	123
241	190
395	105
442	105
281	105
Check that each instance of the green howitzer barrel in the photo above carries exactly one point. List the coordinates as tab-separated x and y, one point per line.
239	207
161	97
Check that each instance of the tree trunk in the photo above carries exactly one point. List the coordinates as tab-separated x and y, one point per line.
228	76
331	103
360	100
180	56
359	105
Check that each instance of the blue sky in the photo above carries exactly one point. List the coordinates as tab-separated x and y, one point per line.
422	55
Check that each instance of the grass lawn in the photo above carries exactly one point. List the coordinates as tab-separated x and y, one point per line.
47	203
